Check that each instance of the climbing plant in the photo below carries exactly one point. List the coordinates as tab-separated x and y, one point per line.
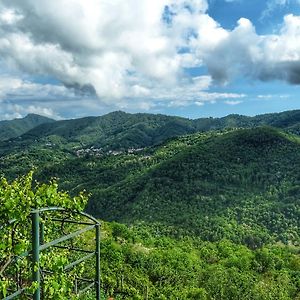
17	200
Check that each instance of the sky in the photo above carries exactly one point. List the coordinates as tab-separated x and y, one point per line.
192	58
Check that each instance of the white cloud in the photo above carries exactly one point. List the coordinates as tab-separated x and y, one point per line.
110	45
242	52
271	5
195	90
271	96
12	111
133	53
9	17
187	95
15	88
265	96
233	102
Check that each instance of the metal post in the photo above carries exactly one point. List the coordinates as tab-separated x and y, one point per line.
35	254
42	236
97	226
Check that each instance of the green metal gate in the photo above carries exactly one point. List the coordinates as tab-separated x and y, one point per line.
39	219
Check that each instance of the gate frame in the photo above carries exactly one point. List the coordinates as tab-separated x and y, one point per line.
38	245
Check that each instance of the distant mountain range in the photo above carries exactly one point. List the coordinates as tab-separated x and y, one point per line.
14	128
122	130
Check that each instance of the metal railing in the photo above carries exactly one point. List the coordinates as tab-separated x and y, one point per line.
38	222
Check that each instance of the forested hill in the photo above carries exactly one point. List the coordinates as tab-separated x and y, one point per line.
242	184
17	127
207	214
288	120
120	130
115	130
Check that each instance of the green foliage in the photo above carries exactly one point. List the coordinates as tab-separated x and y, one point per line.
17	200
240	185
209	215
17	127
119	130
142	262
147	266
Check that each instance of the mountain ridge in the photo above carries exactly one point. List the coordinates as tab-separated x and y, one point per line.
121	130
10	129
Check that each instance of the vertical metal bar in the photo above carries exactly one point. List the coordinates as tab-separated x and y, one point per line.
42	226
97	226
36	254
76	286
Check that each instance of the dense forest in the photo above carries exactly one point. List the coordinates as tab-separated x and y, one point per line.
191	209
142	262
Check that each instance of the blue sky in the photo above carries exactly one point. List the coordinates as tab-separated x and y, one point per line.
193	58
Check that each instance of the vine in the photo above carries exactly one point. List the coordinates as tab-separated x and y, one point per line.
17	200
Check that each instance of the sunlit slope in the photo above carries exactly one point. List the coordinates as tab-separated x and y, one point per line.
240	184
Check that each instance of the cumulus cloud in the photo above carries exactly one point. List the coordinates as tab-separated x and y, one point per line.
134	52
110	45
242	52
19	97
13	111
15	88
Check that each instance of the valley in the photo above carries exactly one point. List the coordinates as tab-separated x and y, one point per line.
180	199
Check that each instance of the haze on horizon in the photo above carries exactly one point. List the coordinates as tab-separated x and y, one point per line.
192	58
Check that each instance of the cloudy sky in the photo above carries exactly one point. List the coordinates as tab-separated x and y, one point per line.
194	58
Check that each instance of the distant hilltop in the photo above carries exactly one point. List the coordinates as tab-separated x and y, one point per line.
125	130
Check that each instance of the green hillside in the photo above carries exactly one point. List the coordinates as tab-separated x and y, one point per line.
242	184
138	262
119	130
288	120
14	128
206	214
